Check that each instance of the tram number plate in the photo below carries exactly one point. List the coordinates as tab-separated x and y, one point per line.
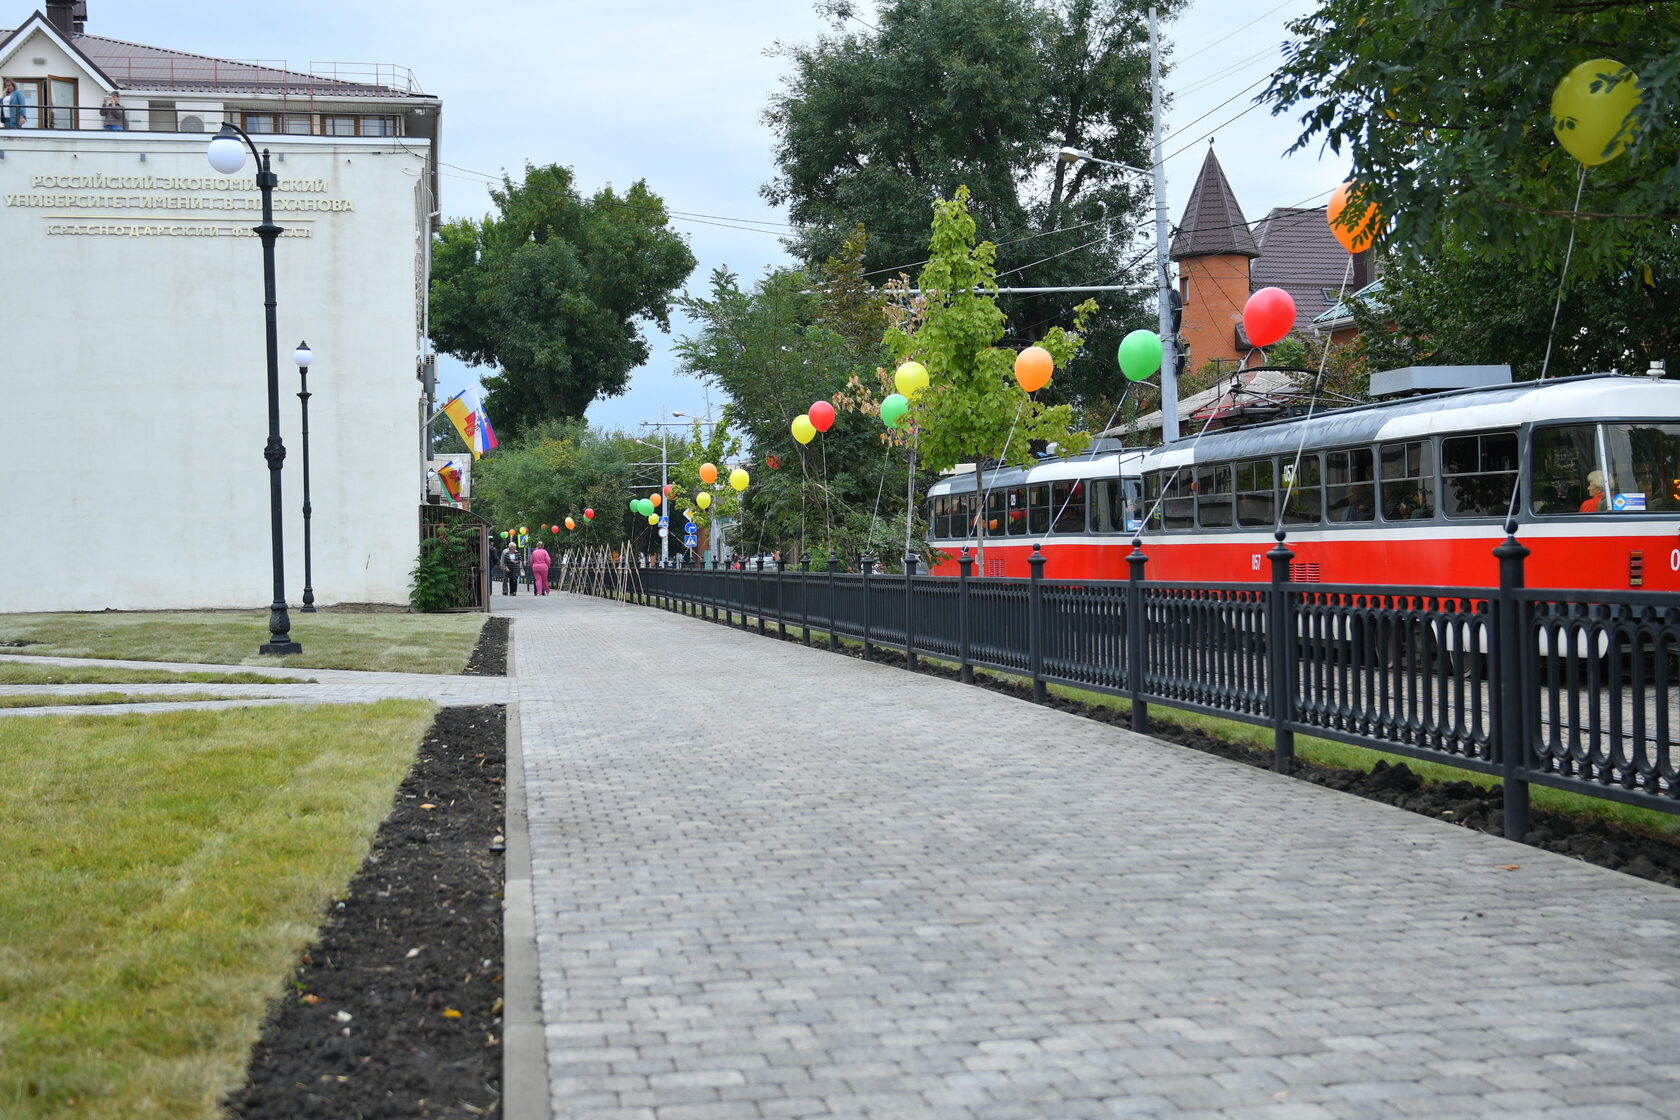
1254	561
1674	560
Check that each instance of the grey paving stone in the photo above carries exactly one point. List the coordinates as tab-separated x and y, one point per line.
834	890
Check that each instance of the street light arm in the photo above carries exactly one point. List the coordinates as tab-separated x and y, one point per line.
229	126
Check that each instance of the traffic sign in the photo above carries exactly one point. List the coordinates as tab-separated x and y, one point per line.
663	531
664	521
690	541
691	528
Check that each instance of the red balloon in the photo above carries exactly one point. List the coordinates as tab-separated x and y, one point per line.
554	528
589	514
821	415
1268	315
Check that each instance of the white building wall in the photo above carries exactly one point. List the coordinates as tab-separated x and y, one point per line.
133	363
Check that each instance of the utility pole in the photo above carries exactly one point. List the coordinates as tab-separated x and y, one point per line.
1169	340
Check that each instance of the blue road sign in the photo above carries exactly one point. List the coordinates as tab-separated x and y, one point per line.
691	528
664	521
690	541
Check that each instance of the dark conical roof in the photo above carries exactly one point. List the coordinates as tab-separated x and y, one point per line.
1213	222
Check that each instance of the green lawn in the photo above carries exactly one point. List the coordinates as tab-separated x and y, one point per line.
162	874
387	642
65	699
23	672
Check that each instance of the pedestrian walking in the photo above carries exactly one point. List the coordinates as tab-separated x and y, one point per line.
510	570
540	561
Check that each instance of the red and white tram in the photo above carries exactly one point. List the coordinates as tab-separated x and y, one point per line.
1407	492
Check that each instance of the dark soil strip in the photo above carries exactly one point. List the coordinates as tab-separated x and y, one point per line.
1589	839
396	1011
489	655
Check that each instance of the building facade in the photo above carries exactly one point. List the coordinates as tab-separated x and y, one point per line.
132	341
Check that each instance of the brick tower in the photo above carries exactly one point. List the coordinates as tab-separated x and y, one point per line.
1213	248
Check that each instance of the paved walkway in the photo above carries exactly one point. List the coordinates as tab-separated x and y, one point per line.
773	882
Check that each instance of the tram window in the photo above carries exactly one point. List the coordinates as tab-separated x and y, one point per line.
1171	501
1560	461
963	522
1302	491
1256	500
1478	473
1644	467
1350	485
1408	480
1067	507
939	517
1038	509
997	503
1213	495
1132	515
1017	523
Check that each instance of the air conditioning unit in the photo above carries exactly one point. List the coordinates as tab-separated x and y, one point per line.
199	116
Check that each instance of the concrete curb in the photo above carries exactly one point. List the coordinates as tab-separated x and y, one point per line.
524	1053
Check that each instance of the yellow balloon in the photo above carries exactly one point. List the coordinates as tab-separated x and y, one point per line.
739	479
703	500
911	378
1586	121
653	519
803	430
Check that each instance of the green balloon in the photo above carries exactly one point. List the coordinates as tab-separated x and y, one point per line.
635	505
1140	355
644	507
893	409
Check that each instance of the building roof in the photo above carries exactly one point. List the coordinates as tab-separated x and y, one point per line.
135	66
1299	254
1340	313
1213	223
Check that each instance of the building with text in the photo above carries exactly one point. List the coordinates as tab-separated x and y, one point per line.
132	339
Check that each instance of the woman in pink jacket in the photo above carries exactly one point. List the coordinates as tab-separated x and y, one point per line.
539	569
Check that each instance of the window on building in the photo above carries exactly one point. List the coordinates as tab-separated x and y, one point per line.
1303	497
1256	499
366	124
1408	480
1350	484
48	102
1213	495
1478	473
293	124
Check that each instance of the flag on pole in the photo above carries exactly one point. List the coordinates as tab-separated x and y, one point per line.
450	475
486	435
465	419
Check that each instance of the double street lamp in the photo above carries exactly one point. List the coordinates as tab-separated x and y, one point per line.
227	155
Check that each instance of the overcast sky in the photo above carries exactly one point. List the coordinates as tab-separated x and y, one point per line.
673	91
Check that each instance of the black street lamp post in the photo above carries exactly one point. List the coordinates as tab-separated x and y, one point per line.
227	155
303	357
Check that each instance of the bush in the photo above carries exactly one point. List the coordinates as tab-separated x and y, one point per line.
443	575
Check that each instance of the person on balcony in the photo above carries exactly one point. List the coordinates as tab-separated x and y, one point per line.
13	114
113	114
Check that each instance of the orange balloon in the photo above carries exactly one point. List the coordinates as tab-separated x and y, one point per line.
1355	239
570	524
655	499
1033	368
708	473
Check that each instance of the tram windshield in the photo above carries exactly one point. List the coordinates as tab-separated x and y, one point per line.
1606	468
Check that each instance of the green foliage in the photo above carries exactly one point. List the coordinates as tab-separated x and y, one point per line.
442	577
1444	109
552	290
559	469
875	126
776	347
972	407
1459	308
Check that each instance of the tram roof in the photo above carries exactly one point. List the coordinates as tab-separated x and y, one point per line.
1586	398
1100	464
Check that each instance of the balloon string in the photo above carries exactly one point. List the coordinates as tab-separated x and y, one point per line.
1546	362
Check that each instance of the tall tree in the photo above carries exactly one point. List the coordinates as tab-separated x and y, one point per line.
875	126
553	290
1444	109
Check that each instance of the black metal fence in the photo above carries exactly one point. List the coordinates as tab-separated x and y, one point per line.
1571	689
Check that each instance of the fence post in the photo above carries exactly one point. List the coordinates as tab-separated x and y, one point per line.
761	596
1280	655
965	566
866	563
1507	679
805	597
1035	627
833	567
781	596
909	611
1136	636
